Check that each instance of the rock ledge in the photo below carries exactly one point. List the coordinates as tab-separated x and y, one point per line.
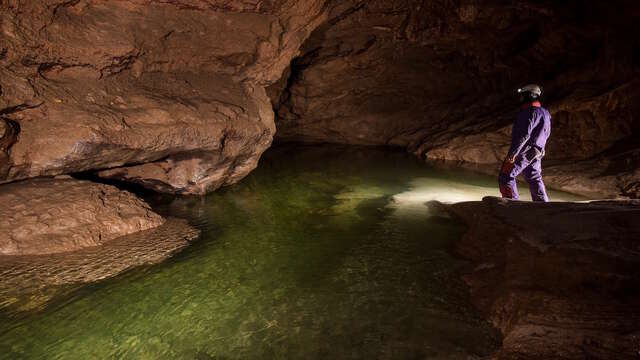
560	280
45	216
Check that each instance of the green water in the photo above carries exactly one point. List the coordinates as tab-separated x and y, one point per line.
321	253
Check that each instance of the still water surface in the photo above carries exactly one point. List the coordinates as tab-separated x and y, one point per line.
321	253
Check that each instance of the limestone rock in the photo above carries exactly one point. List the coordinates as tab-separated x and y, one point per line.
559	280
593	149
30	282
438	78
99	85
45	216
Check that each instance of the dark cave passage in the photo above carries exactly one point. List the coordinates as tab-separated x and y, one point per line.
439	80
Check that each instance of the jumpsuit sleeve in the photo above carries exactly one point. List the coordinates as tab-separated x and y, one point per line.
521	132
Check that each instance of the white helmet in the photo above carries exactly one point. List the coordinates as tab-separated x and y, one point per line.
533	89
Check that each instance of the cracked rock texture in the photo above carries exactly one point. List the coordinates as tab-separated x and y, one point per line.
171	94
45	216
438	78
168	94
30	282
559	280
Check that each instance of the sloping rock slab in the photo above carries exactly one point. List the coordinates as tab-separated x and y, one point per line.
29	283
45	216
560	280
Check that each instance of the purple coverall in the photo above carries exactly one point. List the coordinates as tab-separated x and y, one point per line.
528	139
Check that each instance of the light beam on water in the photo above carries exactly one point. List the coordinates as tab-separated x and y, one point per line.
320	253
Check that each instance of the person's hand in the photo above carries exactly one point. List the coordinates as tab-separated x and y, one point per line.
511	158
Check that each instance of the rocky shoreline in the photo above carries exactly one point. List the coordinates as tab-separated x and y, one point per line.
150	93
30	282
59	233
46	216
590	178
559	280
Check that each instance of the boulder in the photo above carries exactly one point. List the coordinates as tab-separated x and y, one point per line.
559	280
31	282
45	216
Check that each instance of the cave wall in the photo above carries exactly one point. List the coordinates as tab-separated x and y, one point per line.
438	78
180	95
169	94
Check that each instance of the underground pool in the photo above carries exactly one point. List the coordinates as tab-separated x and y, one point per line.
322	252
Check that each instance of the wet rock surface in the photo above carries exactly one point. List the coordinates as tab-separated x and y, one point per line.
559	280
438	78
179	96
593	149
171	94
178	85
45	216
29	283
606	176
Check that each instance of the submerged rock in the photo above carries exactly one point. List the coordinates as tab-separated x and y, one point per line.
30	282
560	280
45	216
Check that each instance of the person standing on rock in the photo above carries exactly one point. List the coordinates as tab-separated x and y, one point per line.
528	139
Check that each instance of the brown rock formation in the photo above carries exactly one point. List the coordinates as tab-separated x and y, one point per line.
170	94
47	216
593	149
177	86
9	131
559	280
438	77
29	282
